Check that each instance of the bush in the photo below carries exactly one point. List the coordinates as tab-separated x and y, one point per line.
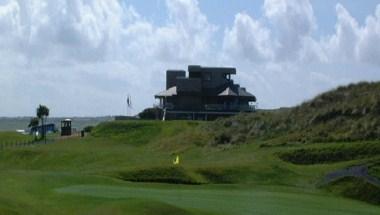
222	138
171	175
88	129
356	188
151	113
331	154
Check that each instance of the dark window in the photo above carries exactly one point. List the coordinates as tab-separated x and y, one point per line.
207	76
194	75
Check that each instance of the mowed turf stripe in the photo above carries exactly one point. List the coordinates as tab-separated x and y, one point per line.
230	201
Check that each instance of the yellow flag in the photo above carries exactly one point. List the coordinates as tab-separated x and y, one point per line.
176	160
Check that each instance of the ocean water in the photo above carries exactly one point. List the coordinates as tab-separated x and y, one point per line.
78	123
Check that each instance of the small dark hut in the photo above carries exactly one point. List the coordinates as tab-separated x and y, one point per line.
66	127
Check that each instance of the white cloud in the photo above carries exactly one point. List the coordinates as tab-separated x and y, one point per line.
248	39
293	22
288	37
187	36
82	52
82	57
352	43
369	41
279	55
342	46
9	18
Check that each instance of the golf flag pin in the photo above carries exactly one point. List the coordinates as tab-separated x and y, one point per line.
176	160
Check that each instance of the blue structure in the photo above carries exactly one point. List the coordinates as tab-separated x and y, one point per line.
48	128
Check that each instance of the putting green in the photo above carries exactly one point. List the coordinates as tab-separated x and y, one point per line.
224	200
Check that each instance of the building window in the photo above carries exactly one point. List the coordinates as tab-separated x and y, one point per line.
207	76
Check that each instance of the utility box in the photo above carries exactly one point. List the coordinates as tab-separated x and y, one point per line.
66	127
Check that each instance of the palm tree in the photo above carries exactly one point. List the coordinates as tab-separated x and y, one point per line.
42	114
33	123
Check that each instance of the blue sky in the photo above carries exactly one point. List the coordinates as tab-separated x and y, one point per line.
221	12
82	58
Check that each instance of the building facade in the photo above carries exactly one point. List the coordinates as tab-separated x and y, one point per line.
48	128
203	93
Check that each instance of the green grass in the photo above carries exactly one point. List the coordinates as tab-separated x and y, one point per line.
10	137
93	175
171	175
356	188
332	153
348	113
220	200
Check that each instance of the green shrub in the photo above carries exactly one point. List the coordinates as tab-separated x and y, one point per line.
171	175
151	113
88	129
217	175
356	188
331	154
222	138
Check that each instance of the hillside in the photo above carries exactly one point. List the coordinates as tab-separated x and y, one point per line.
304	160
342	125
125	167
349	113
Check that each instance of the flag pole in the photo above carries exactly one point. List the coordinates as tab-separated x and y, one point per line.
127	103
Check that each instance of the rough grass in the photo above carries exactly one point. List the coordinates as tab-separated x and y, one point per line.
171	175
356	189
332	153
374	168
96	171
10	137
223	175
130	132
350	113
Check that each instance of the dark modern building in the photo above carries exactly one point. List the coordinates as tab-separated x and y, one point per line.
203	93
48	128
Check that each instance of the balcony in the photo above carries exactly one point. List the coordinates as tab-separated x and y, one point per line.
238	108
213	107
168	106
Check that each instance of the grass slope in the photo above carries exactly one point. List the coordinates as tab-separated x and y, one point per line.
349	113
356	188
52	178
271	173
10	137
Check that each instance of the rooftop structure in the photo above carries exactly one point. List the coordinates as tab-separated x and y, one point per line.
203	92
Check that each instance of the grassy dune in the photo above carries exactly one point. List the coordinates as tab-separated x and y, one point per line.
232	179
263	163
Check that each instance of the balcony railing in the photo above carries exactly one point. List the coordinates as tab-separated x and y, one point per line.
219	107
211	107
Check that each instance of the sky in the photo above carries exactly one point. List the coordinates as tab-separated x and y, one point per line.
82	58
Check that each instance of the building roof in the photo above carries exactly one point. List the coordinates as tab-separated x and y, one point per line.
244	93
172	91
240	92
227	92
197	68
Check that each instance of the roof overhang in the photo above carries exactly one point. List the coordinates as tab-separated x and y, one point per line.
167	93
